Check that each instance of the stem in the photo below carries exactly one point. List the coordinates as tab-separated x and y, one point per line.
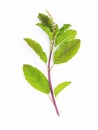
50	84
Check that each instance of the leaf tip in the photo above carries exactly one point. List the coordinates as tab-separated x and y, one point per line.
25	39
24	65
69	82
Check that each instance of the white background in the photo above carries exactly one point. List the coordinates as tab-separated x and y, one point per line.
21	106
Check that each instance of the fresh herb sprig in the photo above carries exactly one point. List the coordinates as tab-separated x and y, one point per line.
63	46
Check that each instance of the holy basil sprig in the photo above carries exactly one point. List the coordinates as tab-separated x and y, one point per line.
63	40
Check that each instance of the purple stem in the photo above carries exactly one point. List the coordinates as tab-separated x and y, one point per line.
50	84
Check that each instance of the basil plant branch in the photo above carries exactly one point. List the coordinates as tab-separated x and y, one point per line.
63	46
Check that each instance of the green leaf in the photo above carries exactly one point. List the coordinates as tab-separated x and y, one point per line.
46	30
65	36
45	20
60	87
64	28
37	48
36	78
66	51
